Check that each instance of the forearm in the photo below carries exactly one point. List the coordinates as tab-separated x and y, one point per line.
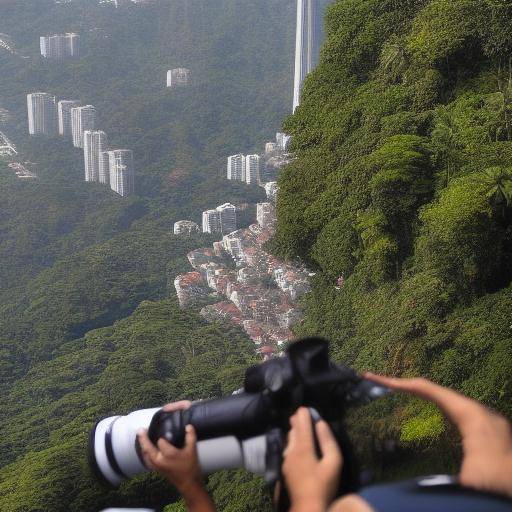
197	498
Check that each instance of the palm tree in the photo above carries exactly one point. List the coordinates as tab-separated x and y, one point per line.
498	181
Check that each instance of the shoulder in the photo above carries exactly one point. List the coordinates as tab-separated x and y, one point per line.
351	503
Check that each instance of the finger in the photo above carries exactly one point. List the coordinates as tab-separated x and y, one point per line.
458	408
177	406
190	439
167	449
148	449
291	443
331	453
303	426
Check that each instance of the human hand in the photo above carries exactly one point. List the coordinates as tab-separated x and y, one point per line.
179	466
311	481
486	436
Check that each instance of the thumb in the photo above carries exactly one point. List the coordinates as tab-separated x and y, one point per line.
331	453
190	438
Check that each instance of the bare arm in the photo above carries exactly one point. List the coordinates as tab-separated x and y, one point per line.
179	466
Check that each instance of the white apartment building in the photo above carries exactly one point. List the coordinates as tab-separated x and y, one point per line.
252	169
221	220
64	113
122	174
271	147
227	217
185	227
236	167
95	143
211	221
266	215
104	168
271	190
179	77
82	119
282	140
60	46
42	114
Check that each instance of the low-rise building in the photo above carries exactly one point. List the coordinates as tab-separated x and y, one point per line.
222	312
179	77
186	227
190	288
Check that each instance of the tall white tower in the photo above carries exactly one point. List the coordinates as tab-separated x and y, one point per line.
252	169
95	143
64	110
308	42
236	167
82	119
42	114
122	174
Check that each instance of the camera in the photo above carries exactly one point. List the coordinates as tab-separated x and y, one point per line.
247	429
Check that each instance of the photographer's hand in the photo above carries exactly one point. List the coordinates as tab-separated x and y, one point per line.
486	436
179	466
311	481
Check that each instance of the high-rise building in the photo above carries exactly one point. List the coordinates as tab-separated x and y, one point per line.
60	46
122	174
227	218
252	169
82	119
42	114
221	220
179	77
104	168
236	167
308	41
282	140
95	143
64	113
211	221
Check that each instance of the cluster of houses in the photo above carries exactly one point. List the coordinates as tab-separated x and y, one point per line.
258	292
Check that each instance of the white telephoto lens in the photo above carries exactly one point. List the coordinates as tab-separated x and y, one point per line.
124	437
100	451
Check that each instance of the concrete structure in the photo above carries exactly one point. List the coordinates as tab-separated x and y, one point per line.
211	221
60	46
95	143
42	114
227	218
308	41
179	77
271	189
185	227
282	140
266	215
236	167
221	220
122	174
271	147
64	114
104	168
252	169
82	119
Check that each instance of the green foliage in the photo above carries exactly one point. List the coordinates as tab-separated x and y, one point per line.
401	184
84	330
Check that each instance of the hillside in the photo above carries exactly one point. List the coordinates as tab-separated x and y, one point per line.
400	198
84	280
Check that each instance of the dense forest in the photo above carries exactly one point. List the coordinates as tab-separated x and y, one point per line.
401	199
89	325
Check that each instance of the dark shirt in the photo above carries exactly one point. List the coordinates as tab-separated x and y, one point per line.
432	494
